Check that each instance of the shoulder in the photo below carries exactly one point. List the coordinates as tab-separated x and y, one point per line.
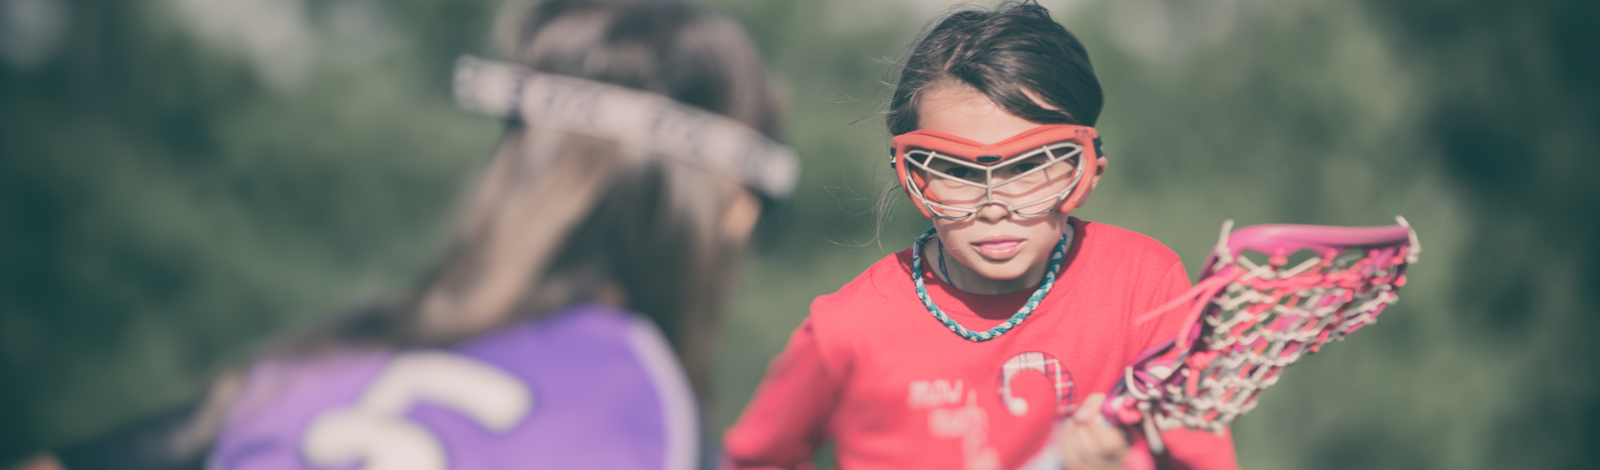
1115	259
874	288
598	374
845	320
1110	242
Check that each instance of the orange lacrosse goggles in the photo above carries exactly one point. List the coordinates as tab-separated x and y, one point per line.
1031	174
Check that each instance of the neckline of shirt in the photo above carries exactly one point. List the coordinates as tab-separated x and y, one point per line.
994	309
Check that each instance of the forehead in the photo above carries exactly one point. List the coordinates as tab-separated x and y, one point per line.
960	110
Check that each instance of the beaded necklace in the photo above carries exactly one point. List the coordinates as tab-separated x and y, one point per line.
1016	319
943	271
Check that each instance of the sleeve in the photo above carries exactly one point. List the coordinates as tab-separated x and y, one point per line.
786	420
1187	449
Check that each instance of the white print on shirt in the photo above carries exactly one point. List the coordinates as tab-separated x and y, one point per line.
375	432
934	393
1043	363
969	423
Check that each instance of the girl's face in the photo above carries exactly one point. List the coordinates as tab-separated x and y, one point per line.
997	252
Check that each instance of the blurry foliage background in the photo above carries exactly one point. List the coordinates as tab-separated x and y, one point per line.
181	179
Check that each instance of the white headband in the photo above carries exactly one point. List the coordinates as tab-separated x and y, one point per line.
628	116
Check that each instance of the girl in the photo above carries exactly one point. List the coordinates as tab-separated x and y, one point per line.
637	157
1003	320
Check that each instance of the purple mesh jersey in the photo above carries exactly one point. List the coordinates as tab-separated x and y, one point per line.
588	388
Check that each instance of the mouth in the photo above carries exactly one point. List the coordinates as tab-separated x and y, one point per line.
998	249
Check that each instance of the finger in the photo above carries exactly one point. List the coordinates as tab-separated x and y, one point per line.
1106	441
1077	449
1092	442
1090	438
1068	449
1085	455
1100	419
1089	408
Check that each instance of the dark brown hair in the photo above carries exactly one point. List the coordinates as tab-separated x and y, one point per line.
1008	54
1014	54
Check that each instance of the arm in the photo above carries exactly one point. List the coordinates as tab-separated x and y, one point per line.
786	420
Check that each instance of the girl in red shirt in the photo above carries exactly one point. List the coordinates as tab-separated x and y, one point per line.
985	345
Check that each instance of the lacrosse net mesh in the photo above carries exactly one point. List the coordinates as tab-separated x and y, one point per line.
1247	321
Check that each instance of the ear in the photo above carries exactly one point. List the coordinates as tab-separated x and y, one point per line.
1094	180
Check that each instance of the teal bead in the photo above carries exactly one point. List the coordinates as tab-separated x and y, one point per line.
1056	256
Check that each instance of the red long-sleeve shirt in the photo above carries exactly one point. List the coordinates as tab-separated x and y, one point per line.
871	370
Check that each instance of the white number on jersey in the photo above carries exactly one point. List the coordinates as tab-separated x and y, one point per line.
375	430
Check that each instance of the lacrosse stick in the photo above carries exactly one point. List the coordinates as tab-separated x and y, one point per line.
1248	321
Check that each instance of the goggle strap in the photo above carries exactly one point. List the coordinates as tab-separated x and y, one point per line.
628	116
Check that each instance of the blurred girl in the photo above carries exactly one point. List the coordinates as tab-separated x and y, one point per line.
569	325
982	346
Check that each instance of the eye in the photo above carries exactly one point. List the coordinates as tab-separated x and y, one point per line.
1027	165
1024	167
960	172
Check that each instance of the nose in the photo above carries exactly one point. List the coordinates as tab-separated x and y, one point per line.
992	212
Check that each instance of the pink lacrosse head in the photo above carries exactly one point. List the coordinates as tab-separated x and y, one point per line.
1248	320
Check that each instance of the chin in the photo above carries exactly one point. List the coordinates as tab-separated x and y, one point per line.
1009	270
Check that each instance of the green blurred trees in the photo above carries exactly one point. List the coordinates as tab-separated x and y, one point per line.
165	204
179	180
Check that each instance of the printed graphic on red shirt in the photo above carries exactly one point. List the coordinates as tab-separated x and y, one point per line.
1043	363
953	411
968	423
